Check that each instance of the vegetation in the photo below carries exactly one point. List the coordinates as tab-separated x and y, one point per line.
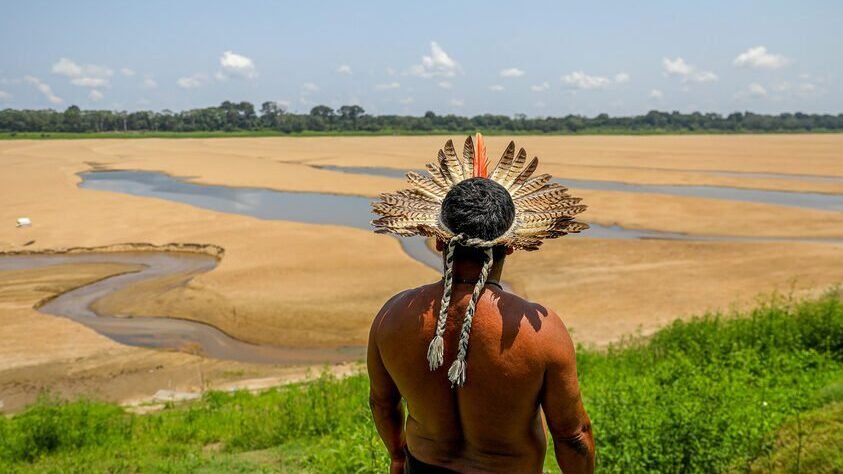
273	119
719	393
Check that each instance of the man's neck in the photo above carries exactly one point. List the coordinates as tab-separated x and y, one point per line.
469	271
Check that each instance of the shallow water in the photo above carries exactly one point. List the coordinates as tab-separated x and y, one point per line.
160	332
334	209
312	208
783	176
824	202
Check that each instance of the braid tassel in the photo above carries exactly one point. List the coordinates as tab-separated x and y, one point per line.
436	349
456	374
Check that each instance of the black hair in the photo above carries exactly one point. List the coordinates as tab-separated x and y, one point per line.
479	208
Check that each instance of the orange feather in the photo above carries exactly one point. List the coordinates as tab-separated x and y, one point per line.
481	164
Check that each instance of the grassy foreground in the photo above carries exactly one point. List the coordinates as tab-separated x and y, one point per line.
722	393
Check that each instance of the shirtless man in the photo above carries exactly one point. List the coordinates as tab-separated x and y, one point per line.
521	362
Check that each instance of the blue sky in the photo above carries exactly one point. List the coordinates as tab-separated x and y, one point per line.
537	58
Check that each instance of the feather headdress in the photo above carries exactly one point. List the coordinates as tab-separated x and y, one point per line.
543	210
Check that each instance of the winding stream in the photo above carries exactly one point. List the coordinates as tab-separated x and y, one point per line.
160	332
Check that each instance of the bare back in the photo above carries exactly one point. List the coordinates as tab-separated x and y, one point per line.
493	423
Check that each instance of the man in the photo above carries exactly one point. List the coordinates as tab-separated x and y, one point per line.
522	359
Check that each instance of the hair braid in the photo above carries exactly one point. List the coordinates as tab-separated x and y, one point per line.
436	349
456	374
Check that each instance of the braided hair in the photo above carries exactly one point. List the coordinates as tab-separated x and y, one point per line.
477	210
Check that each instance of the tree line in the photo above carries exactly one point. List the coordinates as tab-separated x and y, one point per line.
242	116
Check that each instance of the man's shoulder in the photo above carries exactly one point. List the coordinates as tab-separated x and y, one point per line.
404	299
411	293
545	322
515	303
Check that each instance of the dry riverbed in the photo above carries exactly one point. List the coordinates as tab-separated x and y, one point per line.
293	284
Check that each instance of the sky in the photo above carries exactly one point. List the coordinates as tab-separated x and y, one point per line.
537	58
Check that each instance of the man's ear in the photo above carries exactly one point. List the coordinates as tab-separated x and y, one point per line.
440	246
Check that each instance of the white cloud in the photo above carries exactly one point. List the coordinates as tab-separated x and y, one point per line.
759	58
84	75
512	72
4	96
95	95
66	67
781	87
540	87
621	78
387	85
149	83
457	102
192	82
406	101
438	63
309	87
44	89
757	90
496	88
804	89
656	94
809	89
144	101
581	80
687	72
704	76
127	72
445	84
677	67
89	81
238	65
344	69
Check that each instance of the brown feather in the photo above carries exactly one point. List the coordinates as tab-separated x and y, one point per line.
503	167
514	169
410	221
457	167
415	194
426	185
468	155
533	184
549	193
545	204
523	176
445	170
436	174
452	165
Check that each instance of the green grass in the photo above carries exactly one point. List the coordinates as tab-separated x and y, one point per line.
810	442
720	393
386	132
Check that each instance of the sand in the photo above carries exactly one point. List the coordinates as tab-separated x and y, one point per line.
312	285
46	353
604	289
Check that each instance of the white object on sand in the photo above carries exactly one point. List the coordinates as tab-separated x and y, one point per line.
24	222
174	396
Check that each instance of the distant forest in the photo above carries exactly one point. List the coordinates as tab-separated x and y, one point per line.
242	116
